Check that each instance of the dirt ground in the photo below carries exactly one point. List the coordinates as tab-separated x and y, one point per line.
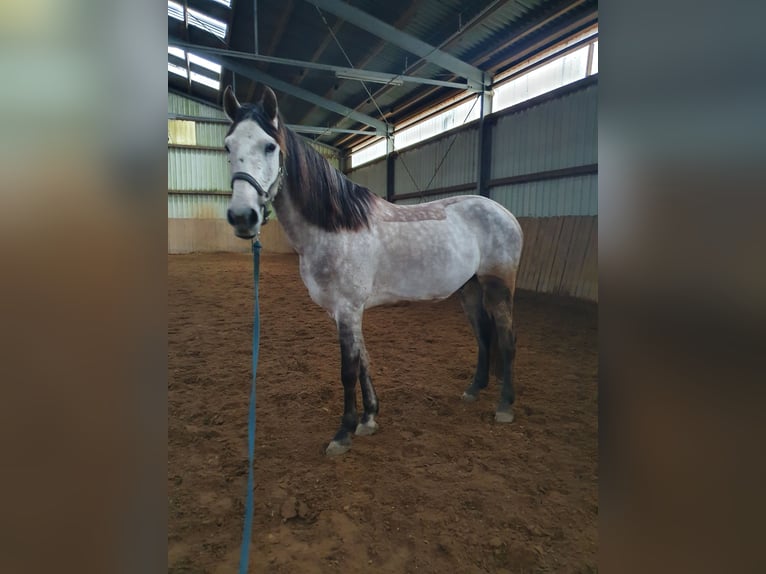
440	488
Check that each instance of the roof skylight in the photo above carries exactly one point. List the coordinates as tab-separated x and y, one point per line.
195	76
198	19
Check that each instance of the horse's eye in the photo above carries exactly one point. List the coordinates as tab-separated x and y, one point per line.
270	147
226	148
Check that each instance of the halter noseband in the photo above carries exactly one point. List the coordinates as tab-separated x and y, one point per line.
244	176
251	180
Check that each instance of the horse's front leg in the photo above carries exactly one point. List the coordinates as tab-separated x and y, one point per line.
367	425
349	333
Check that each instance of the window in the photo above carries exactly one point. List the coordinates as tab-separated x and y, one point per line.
560	71
594	64
441	122
369	153
554	74
180	70
198	19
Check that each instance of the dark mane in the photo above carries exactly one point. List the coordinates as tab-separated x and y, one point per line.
323	195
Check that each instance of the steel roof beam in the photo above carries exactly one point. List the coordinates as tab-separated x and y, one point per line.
405	18
403	40
255	74
320	130
381	77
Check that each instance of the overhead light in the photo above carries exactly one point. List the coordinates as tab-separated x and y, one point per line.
369	77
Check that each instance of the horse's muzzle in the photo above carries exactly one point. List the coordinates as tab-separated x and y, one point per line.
245	222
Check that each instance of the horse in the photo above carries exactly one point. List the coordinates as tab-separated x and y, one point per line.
357	251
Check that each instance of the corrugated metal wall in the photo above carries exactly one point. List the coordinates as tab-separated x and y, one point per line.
415	166
211	134
415	200
191	169
372	176
559	133
566	196
327	152
197	206
184	106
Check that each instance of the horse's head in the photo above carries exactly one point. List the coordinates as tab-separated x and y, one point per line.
254	144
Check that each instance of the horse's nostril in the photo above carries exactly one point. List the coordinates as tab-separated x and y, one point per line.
246	218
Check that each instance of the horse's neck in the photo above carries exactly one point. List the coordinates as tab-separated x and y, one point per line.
298	231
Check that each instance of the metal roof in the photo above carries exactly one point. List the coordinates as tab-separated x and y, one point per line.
490	36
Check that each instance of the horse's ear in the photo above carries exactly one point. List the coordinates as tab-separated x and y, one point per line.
230	103
270	104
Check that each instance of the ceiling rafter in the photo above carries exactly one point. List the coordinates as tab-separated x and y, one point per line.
477	19
501	34
276	37
252	72
405	41
347	72
401	22
556	11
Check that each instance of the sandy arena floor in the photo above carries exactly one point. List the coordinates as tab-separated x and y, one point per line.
440	488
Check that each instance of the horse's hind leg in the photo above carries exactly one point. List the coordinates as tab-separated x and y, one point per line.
471	296
498	301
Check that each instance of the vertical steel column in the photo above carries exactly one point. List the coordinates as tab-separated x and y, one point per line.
484	163
255	26
390	166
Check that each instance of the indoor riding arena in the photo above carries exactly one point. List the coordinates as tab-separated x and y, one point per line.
416	101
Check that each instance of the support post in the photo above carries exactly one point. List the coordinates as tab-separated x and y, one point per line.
390	166
255	27
484	164
343	163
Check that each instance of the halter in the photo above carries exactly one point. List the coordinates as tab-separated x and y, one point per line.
244	176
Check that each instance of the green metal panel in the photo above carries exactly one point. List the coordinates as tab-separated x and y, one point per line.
186	107
416	200
372	176
556	134
444	161
197	206
566	196
211	134
192	169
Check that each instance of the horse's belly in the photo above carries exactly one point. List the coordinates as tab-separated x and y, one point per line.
427	270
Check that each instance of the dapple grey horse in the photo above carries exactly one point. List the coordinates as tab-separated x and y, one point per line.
357	251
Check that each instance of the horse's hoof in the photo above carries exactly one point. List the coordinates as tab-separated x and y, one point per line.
335	448
469	398
504	416
366	429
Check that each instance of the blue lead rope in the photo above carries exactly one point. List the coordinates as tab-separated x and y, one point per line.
244	557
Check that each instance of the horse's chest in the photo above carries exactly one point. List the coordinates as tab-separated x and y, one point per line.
333	283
